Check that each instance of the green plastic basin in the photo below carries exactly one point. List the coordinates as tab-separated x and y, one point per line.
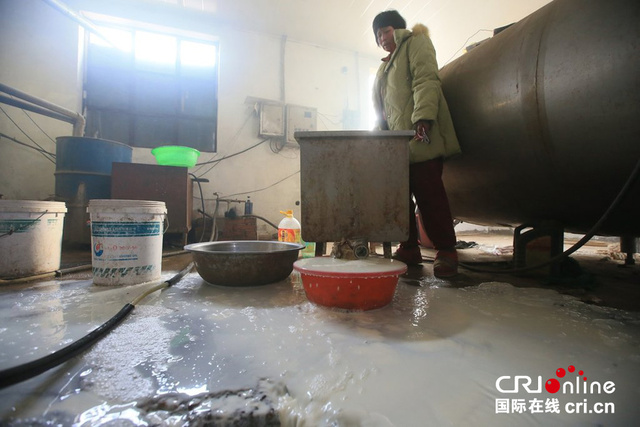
176	155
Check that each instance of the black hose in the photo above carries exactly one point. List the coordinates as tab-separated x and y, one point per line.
197	180
264	219
34	368
28	370
61	272
175	279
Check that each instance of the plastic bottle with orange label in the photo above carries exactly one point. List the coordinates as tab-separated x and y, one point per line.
289	228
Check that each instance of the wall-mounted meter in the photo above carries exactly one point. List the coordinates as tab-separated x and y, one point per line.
271	119
300	119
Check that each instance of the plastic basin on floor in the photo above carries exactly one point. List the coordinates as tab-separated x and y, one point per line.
350	284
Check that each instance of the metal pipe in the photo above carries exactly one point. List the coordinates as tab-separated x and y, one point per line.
78	120
34	108
283	51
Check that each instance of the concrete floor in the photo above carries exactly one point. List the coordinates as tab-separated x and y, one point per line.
434	353
598	276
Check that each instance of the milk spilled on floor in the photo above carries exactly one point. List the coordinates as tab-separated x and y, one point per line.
435	356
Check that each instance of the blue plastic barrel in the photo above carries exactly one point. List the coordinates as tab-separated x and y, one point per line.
86	161
83	172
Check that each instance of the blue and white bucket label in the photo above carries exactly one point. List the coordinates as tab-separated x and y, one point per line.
122	272
126	229
18	226
126	252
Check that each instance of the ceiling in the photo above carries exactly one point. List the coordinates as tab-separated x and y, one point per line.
346	24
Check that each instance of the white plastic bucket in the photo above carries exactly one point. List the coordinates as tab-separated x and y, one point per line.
126	240
30	237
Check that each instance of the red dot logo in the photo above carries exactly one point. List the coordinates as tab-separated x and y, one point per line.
552	385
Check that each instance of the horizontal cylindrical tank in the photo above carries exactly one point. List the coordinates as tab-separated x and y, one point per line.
548	116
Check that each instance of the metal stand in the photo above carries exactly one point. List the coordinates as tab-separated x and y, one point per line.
386	248
629	245
540	243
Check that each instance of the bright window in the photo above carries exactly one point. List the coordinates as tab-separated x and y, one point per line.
148	89
120	39
194	54
155	48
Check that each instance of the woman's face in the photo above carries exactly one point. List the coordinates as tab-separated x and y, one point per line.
385	39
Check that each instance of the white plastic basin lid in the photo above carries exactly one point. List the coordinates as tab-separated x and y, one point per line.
369	267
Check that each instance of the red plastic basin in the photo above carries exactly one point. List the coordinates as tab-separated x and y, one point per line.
350	284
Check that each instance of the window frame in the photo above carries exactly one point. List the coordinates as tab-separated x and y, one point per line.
190	113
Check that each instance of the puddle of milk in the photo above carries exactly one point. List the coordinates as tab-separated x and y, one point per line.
433	356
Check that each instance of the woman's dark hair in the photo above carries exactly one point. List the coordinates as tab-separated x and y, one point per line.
388	18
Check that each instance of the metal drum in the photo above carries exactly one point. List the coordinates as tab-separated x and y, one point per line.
83	172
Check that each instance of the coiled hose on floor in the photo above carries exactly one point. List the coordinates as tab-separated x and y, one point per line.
29	370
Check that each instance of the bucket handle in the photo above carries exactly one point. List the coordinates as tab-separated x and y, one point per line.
24	226
166	222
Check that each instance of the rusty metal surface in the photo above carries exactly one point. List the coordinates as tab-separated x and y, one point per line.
244	263
354	184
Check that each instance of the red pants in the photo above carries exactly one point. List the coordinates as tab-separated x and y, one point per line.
425	184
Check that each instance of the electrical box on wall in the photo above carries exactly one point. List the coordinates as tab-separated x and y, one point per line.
271	119
300	119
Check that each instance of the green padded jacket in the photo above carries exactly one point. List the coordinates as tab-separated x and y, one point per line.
407	89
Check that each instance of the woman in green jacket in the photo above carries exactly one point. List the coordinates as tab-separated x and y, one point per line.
407	95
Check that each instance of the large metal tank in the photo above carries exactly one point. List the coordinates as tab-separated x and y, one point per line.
548	116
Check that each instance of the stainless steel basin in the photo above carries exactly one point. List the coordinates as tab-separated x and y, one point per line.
245	262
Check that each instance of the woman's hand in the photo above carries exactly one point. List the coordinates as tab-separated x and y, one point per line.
422	129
